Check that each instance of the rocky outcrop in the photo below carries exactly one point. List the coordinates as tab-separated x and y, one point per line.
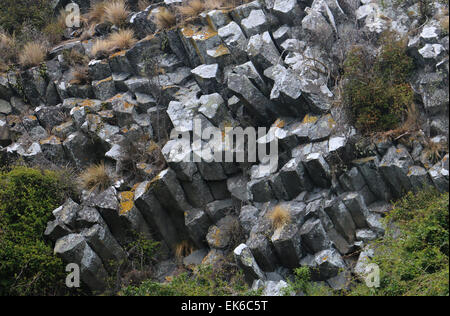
261	64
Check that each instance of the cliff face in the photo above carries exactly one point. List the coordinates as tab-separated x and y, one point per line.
272	64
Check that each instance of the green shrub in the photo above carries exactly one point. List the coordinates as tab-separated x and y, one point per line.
413	255
301	284
376	89
27	264
206	281
13	13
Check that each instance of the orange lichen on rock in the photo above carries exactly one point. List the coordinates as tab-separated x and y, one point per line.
126	201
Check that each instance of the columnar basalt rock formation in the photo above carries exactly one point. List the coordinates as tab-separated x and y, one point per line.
263	63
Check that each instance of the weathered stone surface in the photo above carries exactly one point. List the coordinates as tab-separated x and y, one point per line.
220	235
394	167
80	149
263	251
73	248
439	174
318	169
248	217
260	190
314	236
288	11
154	214
219	209
237	186
357	207
255	23
262	51
369	168
342	219
103	243
235	40
104	89
329	262
287	242
419	178
197	223
208	78
197	191
247	263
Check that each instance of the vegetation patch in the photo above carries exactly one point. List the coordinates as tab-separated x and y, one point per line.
27	264
376	89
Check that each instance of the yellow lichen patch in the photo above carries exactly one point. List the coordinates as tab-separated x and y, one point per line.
104	80
87	102
32	117
279	123
121	53
221	50
331	122
127	105
311	119
126	201
117	96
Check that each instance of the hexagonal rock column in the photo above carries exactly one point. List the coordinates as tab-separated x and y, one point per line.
394	167
318	169
208	78
235	40
314	236
247	263
73	248
341	218
197	223
287	242
263	251
154	214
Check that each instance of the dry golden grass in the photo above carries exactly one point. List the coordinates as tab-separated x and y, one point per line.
80	75
123	39
143	4
279	216
99	47
191	8
217	4
434	150
8	49
165	18
444	23
116	12
95	177
32	54
96	13
183	249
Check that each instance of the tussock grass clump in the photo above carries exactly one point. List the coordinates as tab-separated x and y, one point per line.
95	177
116	12
165	18
8	50
183	249
279	216
32	54
123	39
80	76
143	4
96	13
192	8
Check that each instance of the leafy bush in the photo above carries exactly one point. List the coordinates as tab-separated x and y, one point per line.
27	264
301	284
13	13
206	281
413	256
376	89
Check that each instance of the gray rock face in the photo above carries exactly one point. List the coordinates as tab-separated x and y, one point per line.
341	218
255	23
288	11
219	209
247	263
235	40
394	167
197	223
73	248
314	236
369	169
262	51
318	169
248	217
197	191
104	89
263	251
329	262
357	207
287	242
154	214
439	174
100	239
208	78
